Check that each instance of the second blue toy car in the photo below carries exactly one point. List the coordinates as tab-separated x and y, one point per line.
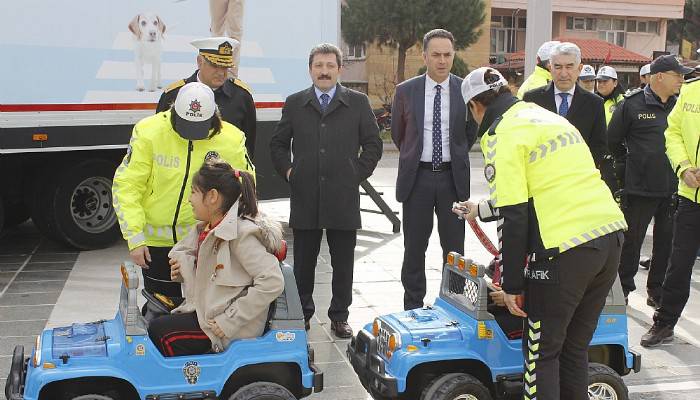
459	348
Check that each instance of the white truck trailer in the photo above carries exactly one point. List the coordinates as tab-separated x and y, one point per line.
71	91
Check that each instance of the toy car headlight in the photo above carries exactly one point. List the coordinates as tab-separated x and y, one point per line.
394	342
36	357
375	327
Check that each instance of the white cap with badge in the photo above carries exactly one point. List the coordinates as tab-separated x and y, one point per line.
587	73
606	72
194	109
476	83
217	50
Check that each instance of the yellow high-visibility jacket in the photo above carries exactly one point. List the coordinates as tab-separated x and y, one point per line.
539	77
683	136
150	182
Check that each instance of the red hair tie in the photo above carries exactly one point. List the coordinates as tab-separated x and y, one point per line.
237	174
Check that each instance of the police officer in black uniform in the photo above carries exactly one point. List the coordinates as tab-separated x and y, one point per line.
636	141
233	97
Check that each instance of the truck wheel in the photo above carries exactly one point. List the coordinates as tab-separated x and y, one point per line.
456	386
605	384
92	397
262	391
79	209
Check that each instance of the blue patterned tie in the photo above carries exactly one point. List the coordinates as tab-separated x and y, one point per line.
325	99
437	129
564	106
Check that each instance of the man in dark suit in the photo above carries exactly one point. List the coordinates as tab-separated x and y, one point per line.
564	96
325	126
233	97
429	126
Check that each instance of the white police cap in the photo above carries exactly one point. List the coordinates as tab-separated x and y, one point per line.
475	83
606	72
546	49
587	73
645	70
194	109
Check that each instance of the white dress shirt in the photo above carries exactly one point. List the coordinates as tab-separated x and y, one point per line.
569	98
430	90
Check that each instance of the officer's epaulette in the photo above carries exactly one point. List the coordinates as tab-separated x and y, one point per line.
174	85
693	79
242	84
631	93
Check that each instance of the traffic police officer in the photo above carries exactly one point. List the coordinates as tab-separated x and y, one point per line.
609	90
682	148
557	213
541	75
152	183
636	141
587	78
233	97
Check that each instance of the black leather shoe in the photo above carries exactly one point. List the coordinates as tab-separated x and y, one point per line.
653	302
657	335
307	325
645	263
341	329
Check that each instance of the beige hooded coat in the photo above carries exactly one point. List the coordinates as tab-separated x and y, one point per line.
236	276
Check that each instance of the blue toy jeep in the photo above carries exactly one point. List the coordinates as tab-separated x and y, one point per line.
116	359
461	348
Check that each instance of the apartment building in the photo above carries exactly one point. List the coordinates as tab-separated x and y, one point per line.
636	25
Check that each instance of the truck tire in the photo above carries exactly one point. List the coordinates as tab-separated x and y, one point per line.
92	397
605	383
76	206
262	391
455	386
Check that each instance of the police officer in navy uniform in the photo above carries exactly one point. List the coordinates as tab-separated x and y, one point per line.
636	141
233	97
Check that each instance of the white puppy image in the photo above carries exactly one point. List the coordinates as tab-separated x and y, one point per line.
148	30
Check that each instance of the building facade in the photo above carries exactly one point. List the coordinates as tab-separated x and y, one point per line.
636	25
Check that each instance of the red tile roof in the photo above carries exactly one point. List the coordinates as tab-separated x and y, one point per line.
593	51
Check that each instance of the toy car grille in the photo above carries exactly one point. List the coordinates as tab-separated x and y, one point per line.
459	285
385	332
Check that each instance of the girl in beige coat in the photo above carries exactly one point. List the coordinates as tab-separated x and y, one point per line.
226	264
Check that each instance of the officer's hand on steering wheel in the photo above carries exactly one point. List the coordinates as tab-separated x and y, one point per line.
465	210
140	256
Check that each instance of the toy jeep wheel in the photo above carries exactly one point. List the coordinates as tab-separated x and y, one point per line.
92	397
456	387
262	391
605	384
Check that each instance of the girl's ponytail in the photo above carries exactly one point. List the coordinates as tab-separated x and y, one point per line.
248	204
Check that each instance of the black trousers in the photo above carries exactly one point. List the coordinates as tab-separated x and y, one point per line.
686	242
178	335
433	192
156	278
564	297
341	244
638	213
